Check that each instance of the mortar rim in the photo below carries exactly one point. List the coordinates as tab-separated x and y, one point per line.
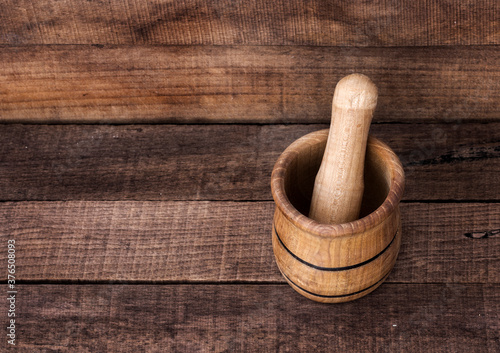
301	221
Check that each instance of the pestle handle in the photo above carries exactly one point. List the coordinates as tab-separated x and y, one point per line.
339	184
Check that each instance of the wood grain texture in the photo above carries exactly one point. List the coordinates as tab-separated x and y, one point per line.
225	162
335	262
252	318
225	242
95	84
339	182
266	22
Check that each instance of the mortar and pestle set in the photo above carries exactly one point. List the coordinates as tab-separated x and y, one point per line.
336	229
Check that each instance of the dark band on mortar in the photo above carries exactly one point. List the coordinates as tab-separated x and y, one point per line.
340	295
333	269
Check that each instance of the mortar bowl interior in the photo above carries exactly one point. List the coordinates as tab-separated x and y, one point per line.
295	172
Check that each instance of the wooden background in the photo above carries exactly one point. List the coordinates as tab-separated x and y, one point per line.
136	147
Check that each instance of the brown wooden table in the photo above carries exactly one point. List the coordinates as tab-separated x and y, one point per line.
136	149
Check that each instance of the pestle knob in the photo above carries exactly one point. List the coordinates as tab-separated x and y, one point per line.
339	184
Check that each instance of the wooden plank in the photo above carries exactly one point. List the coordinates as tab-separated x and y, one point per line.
188	22
255	318
67	83
456	162
225	162
225	242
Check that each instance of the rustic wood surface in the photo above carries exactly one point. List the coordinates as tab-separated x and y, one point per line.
152	241
204	274
191	217
120	84
174	162
156	236
266	22
256	318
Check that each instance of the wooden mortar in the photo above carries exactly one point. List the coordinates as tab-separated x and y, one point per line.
336	262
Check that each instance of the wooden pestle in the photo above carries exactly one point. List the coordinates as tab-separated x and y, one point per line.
339	185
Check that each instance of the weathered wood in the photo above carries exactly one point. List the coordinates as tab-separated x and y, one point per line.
268	22
241	84
225	162
225	242
255	318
